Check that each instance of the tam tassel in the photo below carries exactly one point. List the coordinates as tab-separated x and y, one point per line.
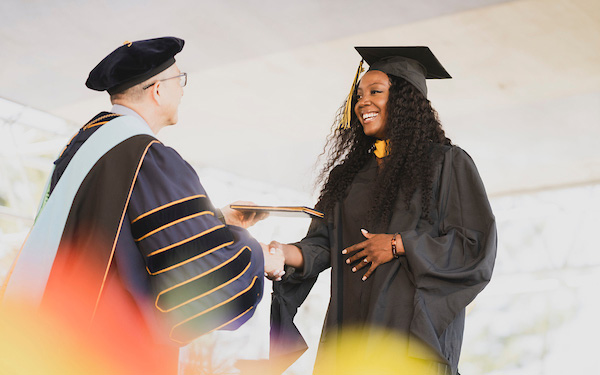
348	108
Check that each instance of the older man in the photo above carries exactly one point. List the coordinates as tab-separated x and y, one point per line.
127	218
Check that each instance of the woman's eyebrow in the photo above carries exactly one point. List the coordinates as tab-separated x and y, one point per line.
372	84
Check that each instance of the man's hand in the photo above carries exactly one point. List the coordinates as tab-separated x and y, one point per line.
244	219
274	262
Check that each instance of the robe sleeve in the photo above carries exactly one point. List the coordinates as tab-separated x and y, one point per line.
204	275
286	340
449	270
315	249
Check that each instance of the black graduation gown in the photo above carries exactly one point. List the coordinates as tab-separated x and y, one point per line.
423	294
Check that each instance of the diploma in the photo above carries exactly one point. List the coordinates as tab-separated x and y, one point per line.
295	211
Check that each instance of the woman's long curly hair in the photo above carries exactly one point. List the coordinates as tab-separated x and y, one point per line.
412	128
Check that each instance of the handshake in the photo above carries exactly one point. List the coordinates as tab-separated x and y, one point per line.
274	260
276	255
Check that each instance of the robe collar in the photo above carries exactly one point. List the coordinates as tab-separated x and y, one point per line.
382	148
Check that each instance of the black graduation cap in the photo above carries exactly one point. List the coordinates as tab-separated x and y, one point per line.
414	64
133	63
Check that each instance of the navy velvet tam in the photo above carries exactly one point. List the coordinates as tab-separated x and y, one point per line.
133	63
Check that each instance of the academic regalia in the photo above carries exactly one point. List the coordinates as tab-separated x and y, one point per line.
141	230
127	245
422	294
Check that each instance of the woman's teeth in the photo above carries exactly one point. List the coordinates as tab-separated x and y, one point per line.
368	116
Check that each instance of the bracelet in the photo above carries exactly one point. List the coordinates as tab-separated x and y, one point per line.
394	253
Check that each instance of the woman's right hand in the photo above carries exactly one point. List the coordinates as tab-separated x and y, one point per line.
292	254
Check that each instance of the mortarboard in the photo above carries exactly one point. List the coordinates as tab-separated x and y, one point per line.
133	63
414	64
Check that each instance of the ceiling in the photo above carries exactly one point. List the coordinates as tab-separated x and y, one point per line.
267	77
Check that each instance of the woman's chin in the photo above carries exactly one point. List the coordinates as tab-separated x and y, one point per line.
370	132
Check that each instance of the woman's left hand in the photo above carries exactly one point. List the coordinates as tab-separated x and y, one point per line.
376	250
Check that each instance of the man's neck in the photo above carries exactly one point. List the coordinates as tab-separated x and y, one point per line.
129	110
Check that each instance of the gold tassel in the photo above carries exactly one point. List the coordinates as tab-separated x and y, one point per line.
348	108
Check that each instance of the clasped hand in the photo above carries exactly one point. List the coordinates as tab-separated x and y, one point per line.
273	253
274	260
244	219
376	250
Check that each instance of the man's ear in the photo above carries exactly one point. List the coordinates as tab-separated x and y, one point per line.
155	93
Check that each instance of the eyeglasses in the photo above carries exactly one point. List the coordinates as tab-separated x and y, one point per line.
182	80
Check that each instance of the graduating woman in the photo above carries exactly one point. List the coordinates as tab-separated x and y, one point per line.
408	231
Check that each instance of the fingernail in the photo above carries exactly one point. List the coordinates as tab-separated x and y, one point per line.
281	273
365	260
353	269
364	278
272	250
347	261
278	279
364	231
344	251
266	274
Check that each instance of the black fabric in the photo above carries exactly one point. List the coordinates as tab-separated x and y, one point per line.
409	69
225	316
414	64
422	295
285	338
169	214
188	250
133	63
430	66
340	275
208	282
